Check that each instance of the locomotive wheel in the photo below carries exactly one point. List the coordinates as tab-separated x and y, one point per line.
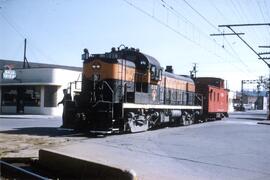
218	116
136	122
184	120
137	125
187	119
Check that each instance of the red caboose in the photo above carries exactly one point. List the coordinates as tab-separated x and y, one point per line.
215	97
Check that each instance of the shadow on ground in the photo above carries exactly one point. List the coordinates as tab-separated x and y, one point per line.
49	131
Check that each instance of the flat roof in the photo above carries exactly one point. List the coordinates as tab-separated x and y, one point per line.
30	84
19	65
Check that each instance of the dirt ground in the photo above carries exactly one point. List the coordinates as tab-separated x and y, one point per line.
12	145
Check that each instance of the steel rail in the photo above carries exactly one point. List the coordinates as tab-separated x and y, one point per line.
20	171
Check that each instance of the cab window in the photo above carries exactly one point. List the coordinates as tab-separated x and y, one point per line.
153	72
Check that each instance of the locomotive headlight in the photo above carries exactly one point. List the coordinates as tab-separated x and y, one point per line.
96	66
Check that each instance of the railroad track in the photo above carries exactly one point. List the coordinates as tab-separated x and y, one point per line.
54	165
11	171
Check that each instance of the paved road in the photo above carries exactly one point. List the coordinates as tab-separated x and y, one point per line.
11	122
234	148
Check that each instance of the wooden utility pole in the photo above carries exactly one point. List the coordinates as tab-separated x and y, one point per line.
268	82
264	59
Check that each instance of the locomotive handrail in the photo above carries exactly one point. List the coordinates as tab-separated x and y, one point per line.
105	82
73	83
112	106
100	101
200	98
125	91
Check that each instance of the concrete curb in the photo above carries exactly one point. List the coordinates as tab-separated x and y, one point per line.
77	168
26	116
267	122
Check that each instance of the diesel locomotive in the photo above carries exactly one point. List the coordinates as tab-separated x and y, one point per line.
126	90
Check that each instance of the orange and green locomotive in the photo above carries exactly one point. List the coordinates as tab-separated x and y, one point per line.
128	91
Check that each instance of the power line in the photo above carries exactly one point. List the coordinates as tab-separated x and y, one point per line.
12	26
245	16
23	37
234	7
177	32
267	8
221	14
162	23
212	25
261	11
251	48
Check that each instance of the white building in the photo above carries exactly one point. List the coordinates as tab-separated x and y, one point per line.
232	95
35	90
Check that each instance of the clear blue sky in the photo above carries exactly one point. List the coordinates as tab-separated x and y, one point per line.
176	32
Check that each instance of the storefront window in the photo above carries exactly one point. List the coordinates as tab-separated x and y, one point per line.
9	95
32	96
28	95
50	96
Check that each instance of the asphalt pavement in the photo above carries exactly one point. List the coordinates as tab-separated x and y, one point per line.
233	148
17	121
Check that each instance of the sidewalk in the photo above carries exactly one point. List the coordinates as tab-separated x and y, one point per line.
265	122
26	116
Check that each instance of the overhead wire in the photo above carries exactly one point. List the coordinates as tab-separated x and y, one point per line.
23	36
233	50
234	6
249	19
238	6
164	24
219	12
12	26
213	26
262	14
204	18
179	33
267	8
268	15
206	35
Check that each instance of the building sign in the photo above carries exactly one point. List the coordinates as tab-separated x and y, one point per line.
8	72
